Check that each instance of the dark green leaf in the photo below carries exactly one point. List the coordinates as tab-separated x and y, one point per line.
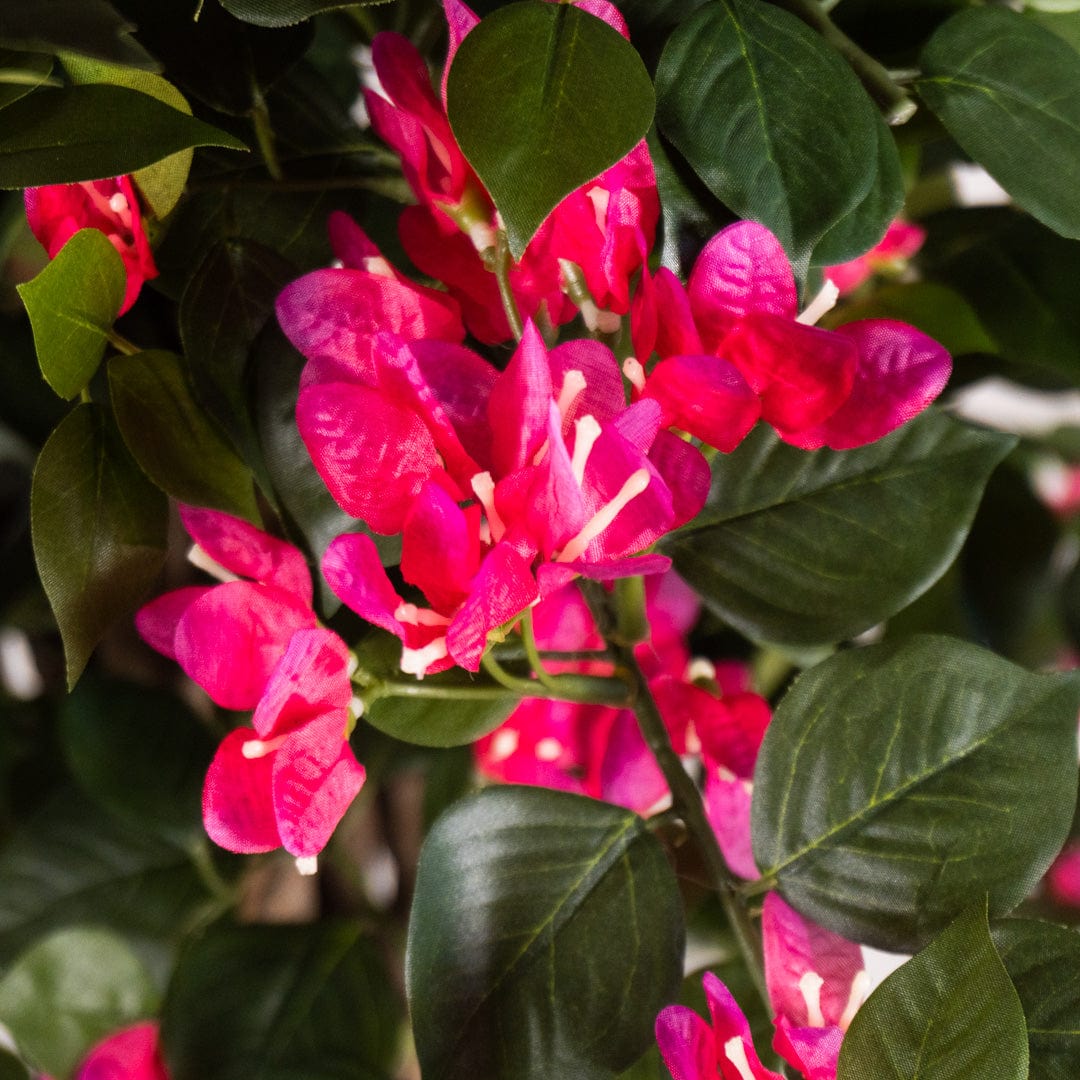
448	709
542	98
1043	962
72	305
85	133
98	527
865	224
811	548
774	122
224	308
20	72
141	754
182	451
1008	90
948	1014
87	27
546	933
70	990
899	780
936	310
278	1003
285	12
11	1068
69	863
162	183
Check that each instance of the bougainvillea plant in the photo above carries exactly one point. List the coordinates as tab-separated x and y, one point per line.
540	540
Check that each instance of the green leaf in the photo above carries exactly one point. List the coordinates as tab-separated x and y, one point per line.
1008	91
70	990
950	1013
182	451
286	12
280	1002
72	305
542	98
938	311
805	548
87	27
21	72
223	310
98	528
546	933
85	133
774	123
141	754
162	183
69	863
1043	962
11	1068
897	781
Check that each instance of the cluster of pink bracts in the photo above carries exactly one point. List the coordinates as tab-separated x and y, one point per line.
507	485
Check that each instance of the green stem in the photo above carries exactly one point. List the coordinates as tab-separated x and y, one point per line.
264	133
506	293
203	859
583	689
896	104
528	636
121	343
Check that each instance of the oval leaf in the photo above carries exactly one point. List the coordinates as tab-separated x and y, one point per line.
70	990
1008	90
286	12
279	1002
84	133
897	781
812	548
98	529
774	123
546	933
949	1013
183	451
542	98
72	306
20	72
1043	962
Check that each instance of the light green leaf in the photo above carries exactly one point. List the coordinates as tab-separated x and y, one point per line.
70	990
1008	91
776	125
950	1013
543	98
86	133
72	306
280	1003
98	529
811	548
897	781
162	183
183	451
545	935
1043	962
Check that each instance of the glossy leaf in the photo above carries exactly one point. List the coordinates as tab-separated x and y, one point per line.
950	1013
99	530
83	133
897	781
545	935
86	27
1008	91
162	183
811	548
21	72
182	451
542	98
72	306
69	990
285	12
1043	962
141	754
773	121
69	863
280	1002
223	310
